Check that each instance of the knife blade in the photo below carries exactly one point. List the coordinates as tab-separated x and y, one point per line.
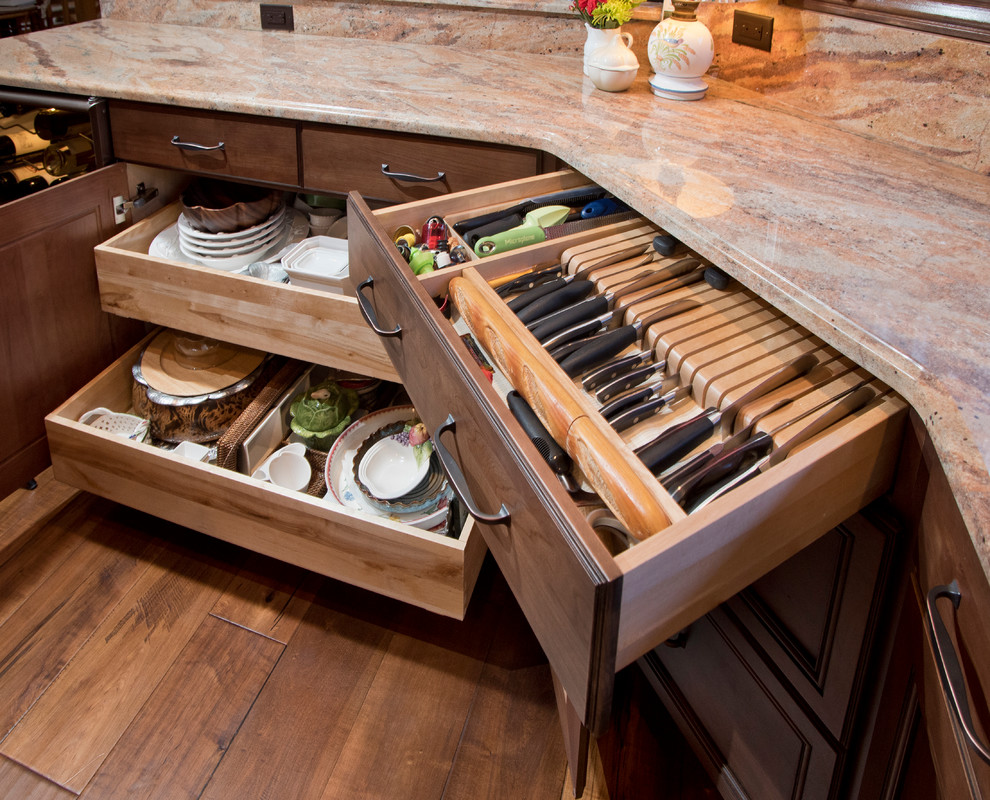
664	451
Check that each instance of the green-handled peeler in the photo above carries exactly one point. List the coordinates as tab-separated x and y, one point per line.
530	232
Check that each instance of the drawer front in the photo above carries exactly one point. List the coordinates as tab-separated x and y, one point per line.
815	615
418	567
253	149
312	326
343	160
571	606
742	721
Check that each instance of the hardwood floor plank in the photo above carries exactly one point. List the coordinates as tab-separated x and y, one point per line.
268	596
19	783
62	613
43	549
172	747
70	730
291	739
409	727
24	509
512	746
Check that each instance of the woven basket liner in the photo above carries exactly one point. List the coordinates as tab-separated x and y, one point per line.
278	376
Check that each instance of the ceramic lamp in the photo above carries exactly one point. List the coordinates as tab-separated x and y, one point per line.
681	50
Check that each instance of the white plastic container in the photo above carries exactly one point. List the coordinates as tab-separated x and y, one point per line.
319	262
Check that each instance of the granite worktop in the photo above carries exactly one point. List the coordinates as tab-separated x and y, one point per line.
877	249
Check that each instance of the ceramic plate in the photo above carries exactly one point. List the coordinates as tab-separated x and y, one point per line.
341	487
217	238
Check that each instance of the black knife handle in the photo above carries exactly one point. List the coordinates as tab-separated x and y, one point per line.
517	304
564	294
638	413
552	452
579	331
600	350
565	318
616	368
628	381
723	466
669	446
626	401
561	351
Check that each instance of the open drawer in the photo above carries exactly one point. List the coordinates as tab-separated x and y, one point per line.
419	567
593	611
310	325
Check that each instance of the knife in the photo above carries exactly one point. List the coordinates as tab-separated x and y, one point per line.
547	330
528	280
851	402
664	451
567	197
630	380
626	417
613	369
617	340
596	305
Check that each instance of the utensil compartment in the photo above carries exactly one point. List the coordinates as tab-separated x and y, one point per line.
595	612
314	326
394	559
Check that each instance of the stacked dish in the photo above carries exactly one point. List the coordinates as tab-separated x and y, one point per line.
234	249
374	457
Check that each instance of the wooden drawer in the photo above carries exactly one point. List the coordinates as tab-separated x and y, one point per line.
757	740
313	326
345	159
253	149
431	571
642	596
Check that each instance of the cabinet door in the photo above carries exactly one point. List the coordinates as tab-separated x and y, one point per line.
53	334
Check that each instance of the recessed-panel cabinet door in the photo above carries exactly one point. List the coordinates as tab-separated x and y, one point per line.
53	335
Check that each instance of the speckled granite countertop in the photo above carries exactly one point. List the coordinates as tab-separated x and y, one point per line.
880	251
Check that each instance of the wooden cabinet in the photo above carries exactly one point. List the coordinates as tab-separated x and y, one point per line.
594	612
55	337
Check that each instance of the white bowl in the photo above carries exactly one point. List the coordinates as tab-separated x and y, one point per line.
390	469
612	79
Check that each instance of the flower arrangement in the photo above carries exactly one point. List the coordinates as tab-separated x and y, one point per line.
605	13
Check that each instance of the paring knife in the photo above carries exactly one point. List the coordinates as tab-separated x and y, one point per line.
763	442
615	341
664	451
572	322
553	312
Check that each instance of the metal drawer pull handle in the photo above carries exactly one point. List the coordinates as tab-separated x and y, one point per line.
456	478
193	146
949	671
369	313
405	176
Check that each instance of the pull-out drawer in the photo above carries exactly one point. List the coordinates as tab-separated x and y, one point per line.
225	145
395	559
399	167
310	325
594	611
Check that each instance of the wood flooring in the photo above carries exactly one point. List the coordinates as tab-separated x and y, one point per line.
142	660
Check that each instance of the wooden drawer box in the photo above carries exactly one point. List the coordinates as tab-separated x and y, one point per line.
357	159
418	567
594	612
253	149
312	326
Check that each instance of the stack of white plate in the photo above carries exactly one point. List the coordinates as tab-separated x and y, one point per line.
234	250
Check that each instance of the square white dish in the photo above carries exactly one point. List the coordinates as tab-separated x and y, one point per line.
319	262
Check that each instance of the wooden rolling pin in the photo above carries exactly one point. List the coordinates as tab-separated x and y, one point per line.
619	477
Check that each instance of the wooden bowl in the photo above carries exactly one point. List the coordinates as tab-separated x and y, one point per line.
215	206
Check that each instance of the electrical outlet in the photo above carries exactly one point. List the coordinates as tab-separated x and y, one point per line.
752	30
276	18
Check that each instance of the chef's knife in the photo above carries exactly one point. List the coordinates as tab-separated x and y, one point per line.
664	451
615	341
